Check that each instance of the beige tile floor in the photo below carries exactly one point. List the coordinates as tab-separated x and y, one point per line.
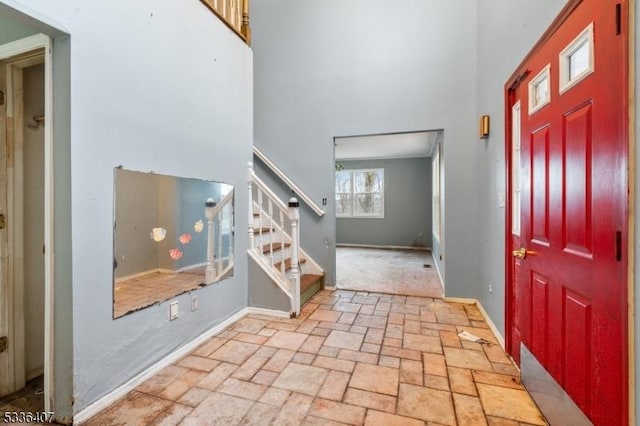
350	358
387	271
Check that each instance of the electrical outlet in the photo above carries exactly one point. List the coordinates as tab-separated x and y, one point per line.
173	310
123	257
194	303
490	288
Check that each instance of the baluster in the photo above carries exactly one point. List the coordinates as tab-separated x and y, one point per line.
250	187
270	216
260	225
294	217
246	28
283	268
210	272
220	257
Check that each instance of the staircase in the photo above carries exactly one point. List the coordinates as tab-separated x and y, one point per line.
274	244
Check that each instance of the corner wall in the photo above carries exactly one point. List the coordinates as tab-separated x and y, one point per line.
168	89
328	68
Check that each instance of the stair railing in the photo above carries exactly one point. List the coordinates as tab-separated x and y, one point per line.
277	228
219	222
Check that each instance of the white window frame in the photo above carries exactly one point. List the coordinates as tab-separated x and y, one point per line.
566	82
354	215
545	73
515	168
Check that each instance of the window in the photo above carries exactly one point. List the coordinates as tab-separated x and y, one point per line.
515	169
360	193
540	90
576	60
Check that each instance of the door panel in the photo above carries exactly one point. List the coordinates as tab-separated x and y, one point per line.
567	292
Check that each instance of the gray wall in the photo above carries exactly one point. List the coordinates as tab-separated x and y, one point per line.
169	90
327	68
407	206
507	30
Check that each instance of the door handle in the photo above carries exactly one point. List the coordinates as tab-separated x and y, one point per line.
522	253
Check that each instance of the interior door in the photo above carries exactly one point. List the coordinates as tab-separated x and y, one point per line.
567	284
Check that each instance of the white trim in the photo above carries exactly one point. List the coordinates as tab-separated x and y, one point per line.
299	193
544	73
515	171
104	402
24	45
268	312
566	82
384	247
435	262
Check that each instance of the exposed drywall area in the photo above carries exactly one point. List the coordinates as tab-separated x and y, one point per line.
168	90
330	68
507	30
407	206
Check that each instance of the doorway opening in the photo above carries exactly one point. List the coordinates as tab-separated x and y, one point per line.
385	213
25	230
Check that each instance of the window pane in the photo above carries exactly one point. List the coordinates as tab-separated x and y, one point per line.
579	60
369	204
343	204
541	91
343	181
368	181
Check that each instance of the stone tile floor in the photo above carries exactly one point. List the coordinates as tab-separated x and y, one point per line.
351	358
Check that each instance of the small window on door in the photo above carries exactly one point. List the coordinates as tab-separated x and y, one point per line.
576	60
515	169
540	90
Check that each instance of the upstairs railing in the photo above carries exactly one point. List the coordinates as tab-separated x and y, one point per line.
219	249
234	13
274	237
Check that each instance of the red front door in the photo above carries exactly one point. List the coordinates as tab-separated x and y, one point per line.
567	287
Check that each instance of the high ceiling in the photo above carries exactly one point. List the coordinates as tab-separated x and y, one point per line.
397	145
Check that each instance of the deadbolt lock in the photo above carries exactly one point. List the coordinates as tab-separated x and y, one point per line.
3	222
3	344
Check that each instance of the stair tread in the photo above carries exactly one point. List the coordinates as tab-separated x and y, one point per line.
276	246
287	263
262	230
307	280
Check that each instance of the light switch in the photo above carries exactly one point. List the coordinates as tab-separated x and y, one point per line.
501	199
173	310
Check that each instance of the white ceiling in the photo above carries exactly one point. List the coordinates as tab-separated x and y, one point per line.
398	145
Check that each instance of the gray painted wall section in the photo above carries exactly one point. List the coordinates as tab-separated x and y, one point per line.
407	206
263	292
507	30
320	73
147	119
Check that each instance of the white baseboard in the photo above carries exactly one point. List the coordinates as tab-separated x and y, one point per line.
490	323
383	247
104	402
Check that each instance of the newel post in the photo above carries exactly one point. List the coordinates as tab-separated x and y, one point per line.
294	217
250	185
210	271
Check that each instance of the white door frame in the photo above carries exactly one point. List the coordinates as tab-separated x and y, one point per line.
7	51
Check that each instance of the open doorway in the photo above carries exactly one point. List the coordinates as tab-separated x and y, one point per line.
23	265
384	213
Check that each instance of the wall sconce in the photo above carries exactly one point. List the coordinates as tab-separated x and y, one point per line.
484	127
